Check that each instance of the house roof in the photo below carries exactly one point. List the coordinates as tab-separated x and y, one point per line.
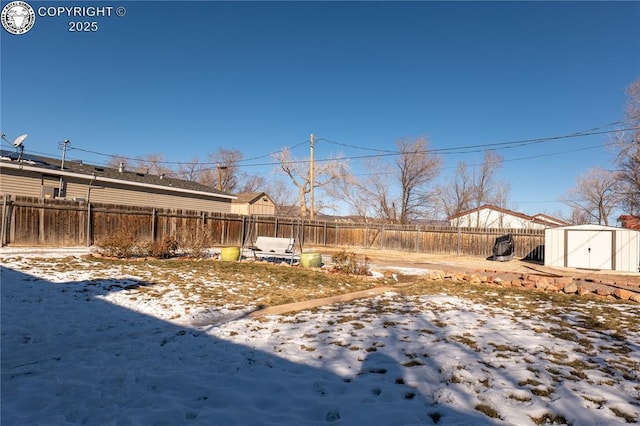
538	218
250	197
490	207
630	221
548	220
52	166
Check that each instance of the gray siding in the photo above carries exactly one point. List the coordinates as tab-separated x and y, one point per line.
27	183
30	183
112	193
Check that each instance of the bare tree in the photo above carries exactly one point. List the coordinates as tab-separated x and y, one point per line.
627	147
281	194
152	164
297	170
397	192
595	196
486	190
191	171
474	188
378	189
578	216
226	169
252	183
118	160
350	191
456	197
417	168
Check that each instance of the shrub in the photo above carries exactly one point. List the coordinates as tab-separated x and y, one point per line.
124	244
196	245
121	244
346	263
163	249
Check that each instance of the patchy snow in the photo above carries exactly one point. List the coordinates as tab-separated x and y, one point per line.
80	347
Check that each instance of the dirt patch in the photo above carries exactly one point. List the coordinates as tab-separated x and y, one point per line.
456	263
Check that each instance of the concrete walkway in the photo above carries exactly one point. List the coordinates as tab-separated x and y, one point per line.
315	303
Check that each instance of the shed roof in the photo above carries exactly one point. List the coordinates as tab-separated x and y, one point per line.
589	227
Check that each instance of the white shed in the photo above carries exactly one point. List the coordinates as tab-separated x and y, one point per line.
592	247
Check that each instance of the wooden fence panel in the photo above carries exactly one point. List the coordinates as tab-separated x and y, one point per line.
32	221
25	225
213	228
45	222
108	221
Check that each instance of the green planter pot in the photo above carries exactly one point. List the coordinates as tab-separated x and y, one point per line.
311	260
230	254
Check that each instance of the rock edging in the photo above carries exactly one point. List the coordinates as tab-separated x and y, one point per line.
548	284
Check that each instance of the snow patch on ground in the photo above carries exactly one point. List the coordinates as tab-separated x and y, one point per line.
85	347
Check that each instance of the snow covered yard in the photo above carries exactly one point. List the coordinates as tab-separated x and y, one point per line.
93	342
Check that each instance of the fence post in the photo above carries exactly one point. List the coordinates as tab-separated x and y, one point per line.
41	236
223	235
88	224
324	236
11	218
3	233
242	230
153	224
418	239
367	244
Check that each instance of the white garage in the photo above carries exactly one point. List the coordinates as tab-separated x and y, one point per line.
592	247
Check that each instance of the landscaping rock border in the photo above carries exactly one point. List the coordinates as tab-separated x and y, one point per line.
548	284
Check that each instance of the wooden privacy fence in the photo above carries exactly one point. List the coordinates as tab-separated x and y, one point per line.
34	221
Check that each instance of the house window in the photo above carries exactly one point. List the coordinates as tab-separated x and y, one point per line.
51	187
49	192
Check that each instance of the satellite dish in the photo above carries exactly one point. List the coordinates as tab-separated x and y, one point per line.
19	140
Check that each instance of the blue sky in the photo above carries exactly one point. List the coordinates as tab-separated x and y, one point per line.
185	78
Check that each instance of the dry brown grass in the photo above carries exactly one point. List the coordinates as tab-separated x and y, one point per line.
266	284
241	283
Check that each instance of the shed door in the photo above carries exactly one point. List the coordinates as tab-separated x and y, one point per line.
589	249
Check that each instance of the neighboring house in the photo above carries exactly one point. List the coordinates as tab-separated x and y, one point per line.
43	177
489	216
630	222
253	203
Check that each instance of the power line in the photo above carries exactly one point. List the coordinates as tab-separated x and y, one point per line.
466	149
204	163
455	150
274	152
530	157
487	145
479	148
358	147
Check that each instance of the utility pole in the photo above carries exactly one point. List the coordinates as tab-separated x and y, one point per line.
311	181
220	167
64	154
